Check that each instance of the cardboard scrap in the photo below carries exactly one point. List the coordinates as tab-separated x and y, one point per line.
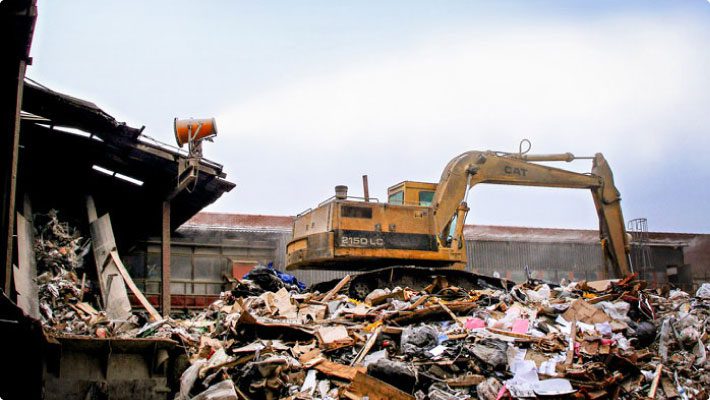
332	337
668	388
580	310
602	285
298	349
465	380
312	312
279	304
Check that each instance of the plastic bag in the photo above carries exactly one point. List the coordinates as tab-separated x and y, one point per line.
703	291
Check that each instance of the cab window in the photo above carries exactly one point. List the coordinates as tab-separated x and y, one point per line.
425	198
396	198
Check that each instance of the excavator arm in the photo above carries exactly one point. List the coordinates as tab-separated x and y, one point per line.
474	167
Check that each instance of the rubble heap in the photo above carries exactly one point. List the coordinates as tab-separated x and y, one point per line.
60	250
58	246
267	339
609	339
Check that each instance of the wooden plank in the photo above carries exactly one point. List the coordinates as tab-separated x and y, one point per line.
392	330
430	313
9	150
448	311
26	271
86	308
336	289
154	314
375	389
339	370
367	347
654	383
418	303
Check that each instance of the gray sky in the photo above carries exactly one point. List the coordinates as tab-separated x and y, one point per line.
312	94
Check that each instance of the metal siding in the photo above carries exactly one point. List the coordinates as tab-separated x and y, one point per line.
311	276
549	261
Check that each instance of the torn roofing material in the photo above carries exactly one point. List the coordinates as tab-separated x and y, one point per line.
240	222
72	146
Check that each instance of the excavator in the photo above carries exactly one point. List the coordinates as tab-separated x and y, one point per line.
418	234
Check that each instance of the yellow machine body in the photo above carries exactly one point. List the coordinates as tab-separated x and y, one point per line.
364	235
422	223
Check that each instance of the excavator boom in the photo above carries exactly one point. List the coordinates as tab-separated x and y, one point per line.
475	167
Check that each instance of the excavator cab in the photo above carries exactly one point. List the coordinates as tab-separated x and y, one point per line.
411	193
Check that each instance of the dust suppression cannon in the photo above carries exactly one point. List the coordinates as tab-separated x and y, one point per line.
192	132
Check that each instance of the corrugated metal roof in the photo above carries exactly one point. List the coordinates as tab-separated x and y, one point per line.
529	234
249	222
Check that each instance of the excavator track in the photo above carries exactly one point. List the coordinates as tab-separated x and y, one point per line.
416	278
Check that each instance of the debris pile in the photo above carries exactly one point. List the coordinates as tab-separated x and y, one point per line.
58	246
62	308
607	339
268	339
59	251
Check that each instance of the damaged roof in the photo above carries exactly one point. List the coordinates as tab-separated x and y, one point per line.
73	147
245	222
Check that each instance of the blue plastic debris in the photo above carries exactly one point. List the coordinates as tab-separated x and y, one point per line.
287	279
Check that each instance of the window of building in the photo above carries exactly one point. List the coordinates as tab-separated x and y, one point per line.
208	274
180	272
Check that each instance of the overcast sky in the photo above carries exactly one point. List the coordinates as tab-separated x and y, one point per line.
312	94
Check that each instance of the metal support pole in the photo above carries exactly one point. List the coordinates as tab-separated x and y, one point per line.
366	188
165	260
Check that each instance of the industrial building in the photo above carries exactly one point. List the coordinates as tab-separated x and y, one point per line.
212	247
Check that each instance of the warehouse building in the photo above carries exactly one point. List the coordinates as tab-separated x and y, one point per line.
212	247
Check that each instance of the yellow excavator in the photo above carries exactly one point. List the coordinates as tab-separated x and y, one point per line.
418	233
